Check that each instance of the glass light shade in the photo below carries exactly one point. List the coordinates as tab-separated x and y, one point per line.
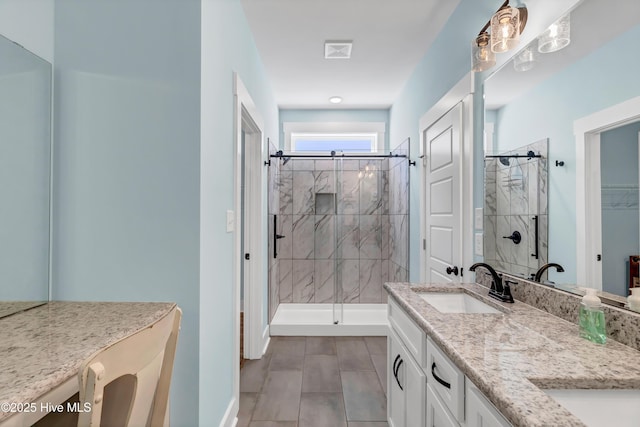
482	58
557	36
505	29
526	59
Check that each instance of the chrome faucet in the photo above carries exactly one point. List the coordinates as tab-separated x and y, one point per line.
542	269
498	290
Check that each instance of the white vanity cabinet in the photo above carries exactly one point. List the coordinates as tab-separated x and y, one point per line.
437	413
445	379
452	399
406	383
424	387
479	411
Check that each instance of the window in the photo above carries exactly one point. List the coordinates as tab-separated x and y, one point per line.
324	137
347	142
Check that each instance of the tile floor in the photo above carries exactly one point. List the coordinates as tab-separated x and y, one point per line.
316	382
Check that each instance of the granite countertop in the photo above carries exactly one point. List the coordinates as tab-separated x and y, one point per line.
43	347
508	356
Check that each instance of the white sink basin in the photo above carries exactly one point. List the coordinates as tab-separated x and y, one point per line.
603	408
456	303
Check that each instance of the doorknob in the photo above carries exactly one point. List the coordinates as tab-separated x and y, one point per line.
453	270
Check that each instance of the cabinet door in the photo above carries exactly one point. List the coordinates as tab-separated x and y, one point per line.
480	412
414	382
395	392
437	413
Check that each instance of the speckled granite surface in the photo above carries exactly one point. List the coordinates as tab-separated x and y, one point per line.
622	325
43	347
507	356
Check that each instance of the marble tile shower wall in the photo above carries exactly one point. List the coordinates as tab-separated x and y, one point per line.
399	215
337	221
515	193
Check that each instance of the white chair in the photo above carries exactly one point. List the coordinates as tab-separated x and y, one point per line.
127	383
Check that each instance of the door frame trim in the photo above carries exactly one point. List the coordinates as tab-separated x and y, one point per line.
587	132
461	92
246	114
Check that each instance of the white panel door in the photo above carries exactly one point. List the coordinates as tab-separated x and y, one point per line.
443	144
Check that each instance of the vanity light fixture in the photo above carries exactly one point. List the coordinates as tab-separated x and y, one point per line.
482	57
526	59
556	37
505	28
335	100
505	25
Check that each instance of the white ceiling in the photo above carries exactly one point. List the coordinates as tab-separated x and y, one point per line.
389	39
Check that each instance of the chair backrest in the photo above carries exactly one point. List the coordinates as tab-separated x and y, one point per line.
139	368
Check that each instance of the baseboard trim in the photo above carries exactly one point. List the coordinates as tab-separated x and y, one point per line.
265	339
230	418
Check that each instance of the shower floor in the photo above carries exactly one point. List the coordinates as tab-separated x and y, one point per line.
317	320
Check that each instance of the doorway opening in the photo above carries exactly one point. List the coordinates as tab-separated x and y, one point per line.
250	338
593	194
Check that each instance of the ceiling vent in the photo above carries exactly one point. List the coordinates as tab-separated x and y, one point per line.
337	49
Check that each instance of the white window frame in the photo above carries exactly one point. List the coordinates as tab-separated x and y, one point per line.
372	137
342	130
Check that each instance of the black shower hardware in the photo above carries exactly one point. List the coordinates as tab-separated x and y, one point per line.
542	269
333	154
516	237
279	154
536	230
498	290
276	236
268	162
559	162
504	158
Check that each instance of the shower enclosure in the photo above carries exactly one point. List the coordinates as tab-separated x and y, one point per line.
338	229
515	210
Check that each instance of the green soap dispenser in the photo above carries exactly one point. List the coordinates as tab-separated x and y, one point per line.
591	318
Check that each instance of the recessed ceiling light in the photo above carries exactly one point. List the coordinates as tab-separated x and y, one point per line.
335	100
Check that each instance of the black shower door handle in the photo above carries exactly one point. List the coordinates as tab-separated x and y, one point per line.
276	236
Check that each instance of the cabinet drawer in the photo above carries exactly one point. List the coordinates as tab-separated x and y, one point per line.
437	413
479	411
411	335
445	379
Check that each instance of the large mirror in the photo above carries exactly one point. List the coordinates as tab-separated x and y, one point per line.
25	170
540	97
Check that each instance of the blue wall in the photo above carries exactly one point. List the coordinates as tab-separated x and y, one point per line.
619	163
126	165
447	61
549	110
336	115
227	46
143	171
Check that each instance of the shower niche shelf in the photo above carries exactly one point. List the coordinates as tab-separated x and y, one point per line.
325	203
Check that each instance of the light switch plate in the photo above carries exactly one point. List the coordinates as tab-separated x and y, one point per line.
231	220
478	243
478	220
